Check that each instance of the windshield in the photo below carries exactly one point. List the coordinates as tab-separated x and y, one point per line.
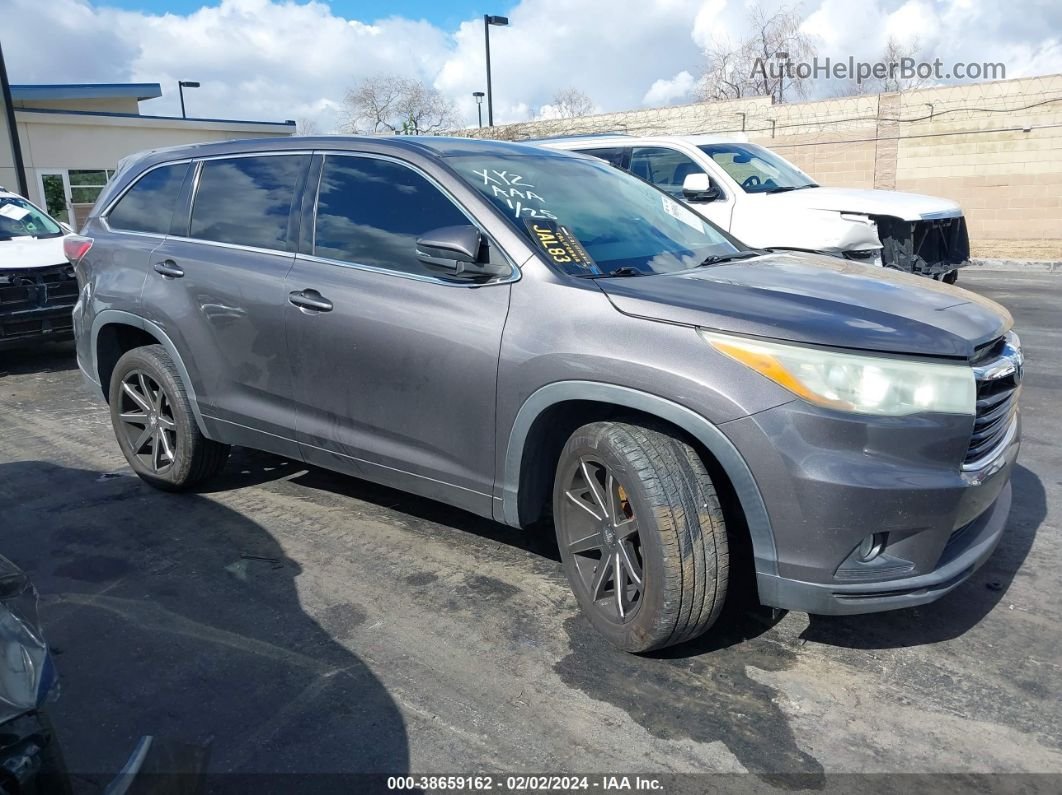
622	225
19	218
758	170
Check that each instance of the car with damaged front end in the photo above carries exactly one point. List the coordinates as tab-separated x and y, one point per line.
539	338
37	285
766	201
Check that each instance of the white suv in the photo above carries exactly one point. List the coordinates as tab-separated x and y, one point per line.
37	284
767	202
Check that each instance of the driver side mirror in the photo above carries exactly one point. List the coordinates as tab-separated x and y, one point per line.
699	188
457	249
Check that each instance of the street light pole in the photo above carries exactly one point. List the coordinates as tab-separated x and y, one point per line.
479	106
181	86
489	20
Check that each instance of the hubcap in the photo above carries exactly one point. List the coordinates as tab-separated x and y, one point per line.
147	422
601	533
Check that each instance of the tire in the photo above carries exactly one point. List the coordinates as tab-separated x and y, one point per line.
662	526
172	454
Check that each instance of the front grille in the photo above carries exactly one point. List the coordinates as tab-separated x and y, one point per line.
998	385
929	246
33	300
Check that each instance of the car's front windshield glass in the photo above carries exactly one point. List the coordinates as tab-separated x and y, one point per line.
19	218
758	170
626	226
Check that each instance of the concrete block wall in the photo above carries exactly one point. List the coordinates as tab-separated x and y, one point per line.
996	148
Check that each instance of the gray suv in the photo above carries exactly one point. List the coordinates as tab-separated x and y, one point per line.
534	335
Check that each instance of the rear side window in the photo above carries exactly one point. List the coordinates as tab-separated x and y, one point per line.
246	201
149	205
371	212
617	156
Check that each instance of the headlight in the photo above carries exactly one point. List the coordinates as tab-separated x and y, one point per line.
854	382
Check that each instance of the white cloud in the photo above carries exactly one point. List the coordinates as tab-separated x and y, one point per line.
287	59
664	92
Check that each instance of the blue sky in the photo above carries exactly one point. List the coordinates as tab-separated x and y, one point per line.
444	13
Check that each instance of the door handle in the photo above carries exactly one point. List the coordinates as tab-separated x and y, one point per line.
310	299
169	269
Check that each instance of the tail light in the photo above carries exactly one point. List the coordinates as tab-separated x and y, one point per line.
75	247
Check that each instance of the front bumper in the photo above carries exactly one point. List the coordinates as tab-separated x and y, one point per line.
830	480
971	546
36	304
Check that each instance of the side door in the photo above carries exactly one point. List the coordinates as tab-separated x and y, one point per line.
217	288
396	369
668	168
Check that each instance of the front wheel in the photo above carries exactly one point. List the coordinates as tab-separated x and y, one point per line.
641	534
153	422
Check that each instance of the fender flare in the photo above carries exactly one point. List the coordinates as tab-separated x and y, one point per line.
732	462
120	317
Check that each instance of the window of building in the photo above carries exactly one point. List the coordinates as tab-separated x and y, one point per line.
86	185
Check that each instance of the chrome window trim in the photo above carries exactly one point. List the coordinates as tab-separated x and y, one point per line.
104	217
514	275
417	277
233	246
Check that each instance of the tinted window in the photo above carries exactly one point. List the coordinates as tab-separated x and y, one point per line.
665	168
247	200
148	206
372	211
617	156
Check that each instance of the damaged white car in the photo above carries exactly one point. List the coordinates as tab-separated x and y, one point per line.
37	284
767	202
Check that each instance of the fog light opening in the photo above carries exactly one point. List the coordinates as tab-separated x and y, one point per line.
871	546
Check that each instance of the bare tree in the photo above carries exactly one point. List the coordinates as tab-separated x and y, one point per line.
306	126
894	58
763	64
388	103
571	103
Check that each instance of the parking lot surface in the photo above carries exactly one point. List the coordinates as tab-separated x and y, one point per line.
296	621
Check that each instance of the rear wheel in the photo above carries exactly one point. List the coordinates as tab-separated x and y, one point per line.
154	424
641	534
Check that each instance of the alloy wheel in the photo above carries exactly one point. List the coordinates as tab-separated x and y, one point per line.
601	533
147	421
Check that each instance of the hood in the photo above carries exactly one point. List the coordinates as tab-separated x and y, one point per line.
818	300
908	206
31	252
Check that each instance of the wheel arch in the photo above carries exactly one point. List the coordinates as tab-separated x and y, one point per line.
114	332
534	433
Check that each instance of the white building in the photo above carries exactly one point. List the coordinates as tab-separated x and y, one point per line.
72	137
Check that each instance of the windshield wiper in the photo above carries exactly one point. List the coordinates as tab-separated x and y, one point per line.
784	188
717	259
626	270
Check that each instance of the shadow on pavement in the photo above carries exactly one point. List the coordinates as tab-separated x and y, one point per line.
45	357
176	617
963	608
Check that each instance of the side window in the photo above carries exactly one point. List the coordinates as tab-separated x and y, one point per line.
148	206
371	212
665	168
247	200
617	155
